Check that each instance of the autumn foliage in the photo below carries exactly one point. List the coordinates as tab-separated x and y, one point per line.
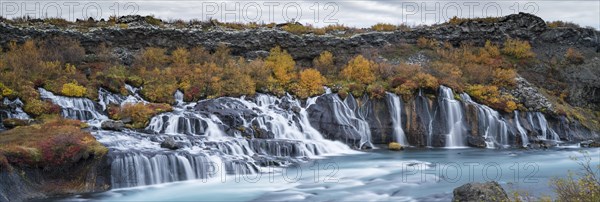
310	83
55	142
138	113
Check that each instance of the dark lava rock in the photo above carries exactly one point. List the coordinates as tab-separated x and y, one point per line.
489	191
169	143
324	118
231	112
112	125
476	141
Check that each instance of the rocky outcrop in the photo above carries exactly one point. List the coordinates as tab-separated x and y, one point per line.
489	191
19	184
529	95
112	125
335	123
169	143
254	43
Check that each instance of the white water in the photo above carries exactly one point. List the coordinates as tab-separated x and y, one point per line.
16	110
74	108
521	130
106	98
294	137
491	125
424	113
346	116
205	139
395	107
179	97
454	118
539	122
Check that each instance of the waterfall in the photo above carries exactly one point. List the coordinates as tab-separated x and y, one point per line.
494	128
395	107
521	130
539	122
345	115
210	137
423	111
452	110
12	110
106	98
74	108
136	169
178	97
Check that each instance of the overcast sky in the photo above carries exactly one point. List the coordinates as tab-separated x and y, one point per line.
359	13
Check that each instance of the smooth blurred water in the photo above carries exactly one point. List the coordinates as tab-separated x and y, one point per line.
380	175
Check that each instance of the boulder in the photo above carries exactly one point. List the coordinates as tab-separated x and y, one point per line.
476	141
394	146
112	125
169	143
489	191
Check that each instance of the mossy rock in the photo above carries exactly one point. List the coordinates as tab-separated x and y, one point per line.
394	146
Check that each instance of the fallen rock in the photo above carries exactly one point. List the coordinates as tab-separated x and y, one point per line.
394	146
112	125
169	143
476	141
489	191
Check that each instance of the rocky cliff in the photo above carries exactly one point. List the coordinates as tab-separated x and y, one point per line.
582	81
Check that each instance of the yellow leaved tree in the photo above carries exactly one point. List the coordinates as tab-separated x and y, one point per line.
282	64
310	83
360	70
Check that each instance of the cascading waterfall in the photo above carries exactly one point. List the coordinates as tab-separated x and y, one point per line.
179	97
424	113
12	110
345	115
106	98
521	130
15	109
293	137
395	107
240	135
539	122
453	112
493	127
74	108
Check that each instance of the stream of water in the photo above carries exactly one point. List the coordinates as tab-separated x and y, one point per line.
379	175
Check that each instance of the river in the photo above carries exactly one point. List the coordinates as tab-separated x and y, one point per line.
378	175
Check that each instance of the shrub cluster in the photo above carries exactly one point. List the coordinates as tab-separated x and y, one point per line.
573	56
518	49
53	143
139	113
